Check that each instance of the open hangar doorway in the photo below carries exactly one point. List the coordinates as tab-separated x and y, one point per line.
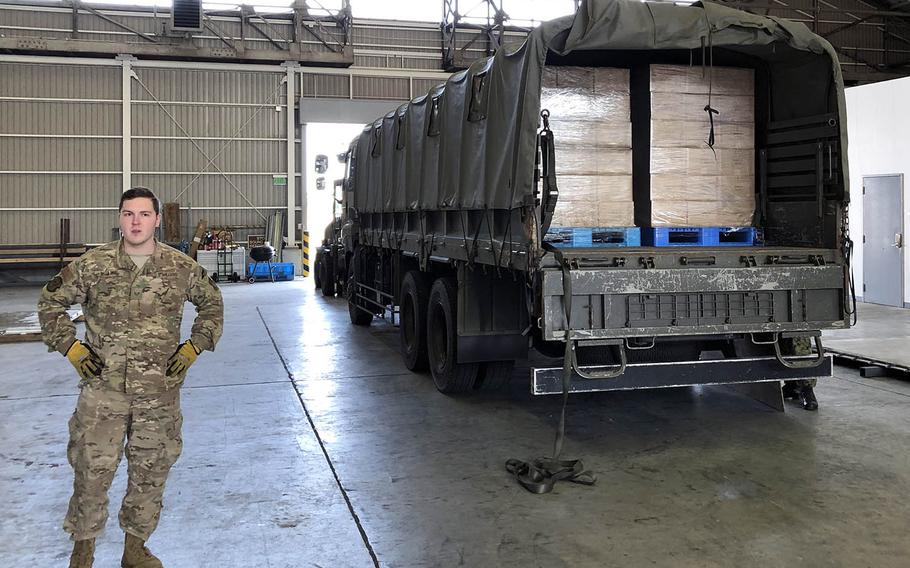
327	126
328	139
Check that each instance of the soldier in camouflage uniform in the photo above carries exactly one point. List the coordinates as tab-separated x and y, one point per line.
802	389
132	365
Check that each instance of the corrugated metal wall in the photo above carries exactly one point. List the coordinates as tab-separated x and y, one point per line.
212	141
67	118
60	151
212	138
397	47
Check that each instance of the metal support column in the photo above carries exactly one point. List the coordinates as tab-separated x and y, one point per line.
291	81
126	63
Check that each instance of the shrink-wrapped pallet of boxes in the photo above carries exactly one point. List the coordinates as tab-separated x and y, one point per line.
694	183
592	132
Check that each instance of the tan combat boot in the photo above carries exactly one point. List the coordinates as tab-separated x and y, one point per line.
83	554
136	555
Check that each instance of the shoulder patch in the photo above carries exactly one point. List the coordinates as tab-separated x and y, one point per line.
208	277
55	284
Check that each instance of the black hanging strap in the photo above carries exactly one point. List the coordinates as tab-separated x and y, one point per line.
848	258
708	108
550	193
541	474
711	112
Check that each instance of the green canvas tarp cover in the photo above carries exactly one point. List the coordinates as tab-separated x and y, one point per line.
471	143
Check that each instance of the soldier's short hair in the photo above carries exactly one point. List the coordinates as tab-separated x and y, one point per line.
139	191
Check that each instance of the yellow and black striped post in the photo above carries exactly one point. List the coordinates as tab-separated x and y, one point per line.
306	254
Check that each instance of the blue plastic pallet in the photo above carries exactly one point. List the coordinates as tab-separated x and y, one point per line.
281	270
588	237
700	236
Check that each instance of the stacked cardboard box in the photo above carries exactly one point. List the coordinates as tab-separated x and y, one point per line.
590	119
692	184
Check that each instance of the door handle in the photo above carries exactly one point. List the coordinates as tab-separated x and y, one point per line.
898	240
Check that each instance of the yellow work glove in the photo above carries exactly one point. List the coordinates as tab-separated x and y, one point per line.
86	361
181	360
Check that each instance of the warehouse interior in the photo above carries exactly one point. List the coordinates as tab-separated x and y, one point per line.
312	435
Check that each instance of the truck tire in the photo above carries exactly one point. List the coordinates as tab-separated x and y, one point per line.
412	325
494	375
317	269
450	376
358	316
327	276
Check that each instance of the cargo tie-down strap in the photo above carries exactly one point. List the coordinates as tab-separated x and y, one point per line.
550	194
708	108
711	112
541	474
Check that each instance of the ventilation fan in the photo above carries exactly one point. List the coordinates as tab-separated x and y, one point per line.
186	15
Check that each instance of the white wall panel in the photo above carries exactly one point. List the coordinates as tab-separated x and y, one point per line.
215	190
229	156
64	191
201	120
59	154
24	227
51	118
877	125
34	117
245	114
190	85
59	81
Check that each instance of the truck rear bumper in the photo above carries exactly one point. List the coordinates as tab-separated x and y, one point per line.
693	301
681	373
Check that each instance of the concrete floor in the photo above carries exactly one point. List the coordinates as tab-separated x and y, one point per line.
881	335
687	477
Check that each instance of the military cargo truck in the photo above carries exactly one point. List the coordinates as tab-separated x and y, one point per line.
449	200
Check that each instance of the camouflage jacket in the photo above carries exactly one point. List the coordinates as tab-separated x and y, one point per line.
132	318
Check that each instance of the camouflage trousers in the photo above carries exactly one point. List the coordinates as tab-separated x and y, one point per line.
803	346
103	420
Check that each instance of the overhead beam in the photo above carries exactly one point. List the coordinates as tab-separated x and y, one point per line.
898	64
752	6
846	27
224	40
78	5
176	51
860	17
333	32
271	40
870	76
492	31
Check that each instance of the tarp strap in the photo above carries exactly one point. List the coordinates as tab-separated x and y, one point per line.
488	215
507	238
424	250
550	193
469	252
711	112
849	308
710	70
848	253
540	475
476	236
